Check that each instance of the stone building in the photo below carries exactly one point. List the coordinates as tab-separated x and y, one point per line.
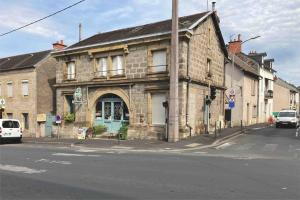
286	95
26	87
242	80
123	76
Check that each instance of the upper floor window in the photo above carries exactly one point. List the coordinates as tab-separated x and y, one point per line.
25	90
253	87
117	65
208	66
9	89
101	67
71	70
0	89
159	61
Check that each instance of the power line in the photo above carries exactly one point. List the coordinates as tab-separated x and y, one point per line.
16	29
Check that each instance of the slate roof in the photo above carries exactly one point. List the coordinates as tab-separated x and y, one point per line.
143	30
23	61
247	64
286	84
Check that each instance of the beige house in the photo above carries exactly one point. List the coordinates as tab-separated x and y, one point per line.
241	79
26	90
286	95
123	77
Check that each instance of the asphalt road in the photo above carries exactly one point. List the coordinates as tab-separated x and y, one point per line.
262	164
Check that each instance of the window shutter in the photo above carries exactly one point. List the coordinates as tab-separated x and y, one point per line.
159	61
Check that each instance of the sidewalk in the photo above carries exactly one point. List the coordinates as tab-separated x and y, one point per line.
197	141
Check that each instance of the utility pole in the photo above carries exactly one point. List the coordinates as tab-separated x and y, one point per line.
173	128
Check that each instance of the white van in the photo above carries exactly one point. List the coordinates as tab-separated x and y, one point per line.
10	129
287	117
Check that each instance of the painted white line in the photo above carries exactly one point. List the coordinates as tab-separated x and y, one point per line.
25	170
75	155
85	150
200	152
54	161
193	145
225	145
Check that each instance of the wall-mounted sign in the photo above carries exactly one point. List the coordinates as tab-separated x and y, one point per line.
58	119
41	118
2	103
77	96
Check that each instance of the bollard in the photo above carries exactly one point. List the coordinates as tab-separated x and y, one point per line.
220	128
242	126
215	129
297	131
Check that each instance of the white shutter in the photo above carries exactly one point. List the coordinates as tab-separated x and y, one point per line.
102	66
117	65
71	70
158	111
25	88
9	89
159	61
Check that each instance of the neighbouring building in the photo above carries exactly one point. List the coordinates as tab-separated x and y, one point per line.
266	85
286	95
26	91
123	77
241	79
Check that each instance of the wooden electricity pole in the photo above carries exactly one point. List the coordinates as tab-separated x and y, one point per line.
173	128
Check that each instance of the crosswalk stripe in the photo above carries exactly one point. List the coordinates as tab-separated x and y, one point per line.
22	169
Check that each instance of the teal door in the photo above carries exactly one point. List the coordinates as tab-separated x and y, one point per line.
111	112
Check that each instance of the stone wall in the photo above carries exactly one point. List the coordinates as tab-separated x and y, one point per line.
19	104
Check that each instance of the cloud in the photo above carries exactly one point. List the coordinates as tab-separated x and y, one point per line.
13	17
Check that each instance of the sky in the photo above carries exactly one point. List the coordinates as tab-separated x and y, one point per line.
276	21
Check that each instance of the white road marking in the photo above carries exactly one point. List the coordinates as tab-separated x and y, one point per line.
54	161
193	145
75	155
225	145
25	170
200	152
85	150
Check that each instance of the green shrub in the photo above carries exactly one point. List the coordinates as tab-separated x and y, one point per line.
99	129
123	131
69	117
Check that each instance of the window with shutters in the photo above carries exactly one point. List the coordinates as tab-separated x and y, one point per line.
101	67
71	71
117	65
158	110
25	89
159	61
9	89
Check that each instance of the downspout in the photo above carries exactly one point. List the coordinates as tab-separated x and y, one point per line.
188	88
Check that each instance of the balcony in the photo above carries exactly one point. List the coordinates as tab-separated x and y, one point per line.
269	94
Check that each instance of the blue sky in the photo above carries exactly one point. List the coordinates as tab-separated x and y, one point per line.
276	21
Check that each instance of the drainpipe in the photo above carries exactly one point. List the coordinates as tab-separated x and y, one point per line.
188	88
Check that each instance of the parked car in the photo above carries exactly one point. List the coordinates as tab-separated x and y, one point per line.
288	118
10	129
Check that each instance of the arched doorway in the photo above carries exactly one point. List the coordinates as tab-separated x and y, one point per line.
111	111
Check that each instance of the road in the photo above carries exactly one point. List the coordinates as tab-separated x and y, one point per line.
261	164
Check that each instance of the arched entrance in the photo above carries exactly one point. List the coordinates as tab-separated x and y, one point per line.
111	111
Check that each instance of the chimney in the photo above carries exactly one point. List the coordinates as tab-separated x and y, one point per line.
213	6
59	45
235	46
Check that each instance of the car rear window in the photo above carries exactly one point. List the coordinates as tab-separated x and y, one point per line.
287	114
10	124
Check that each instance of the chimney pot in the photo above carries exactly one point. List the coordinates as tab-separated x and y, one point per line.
213	6
59	45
